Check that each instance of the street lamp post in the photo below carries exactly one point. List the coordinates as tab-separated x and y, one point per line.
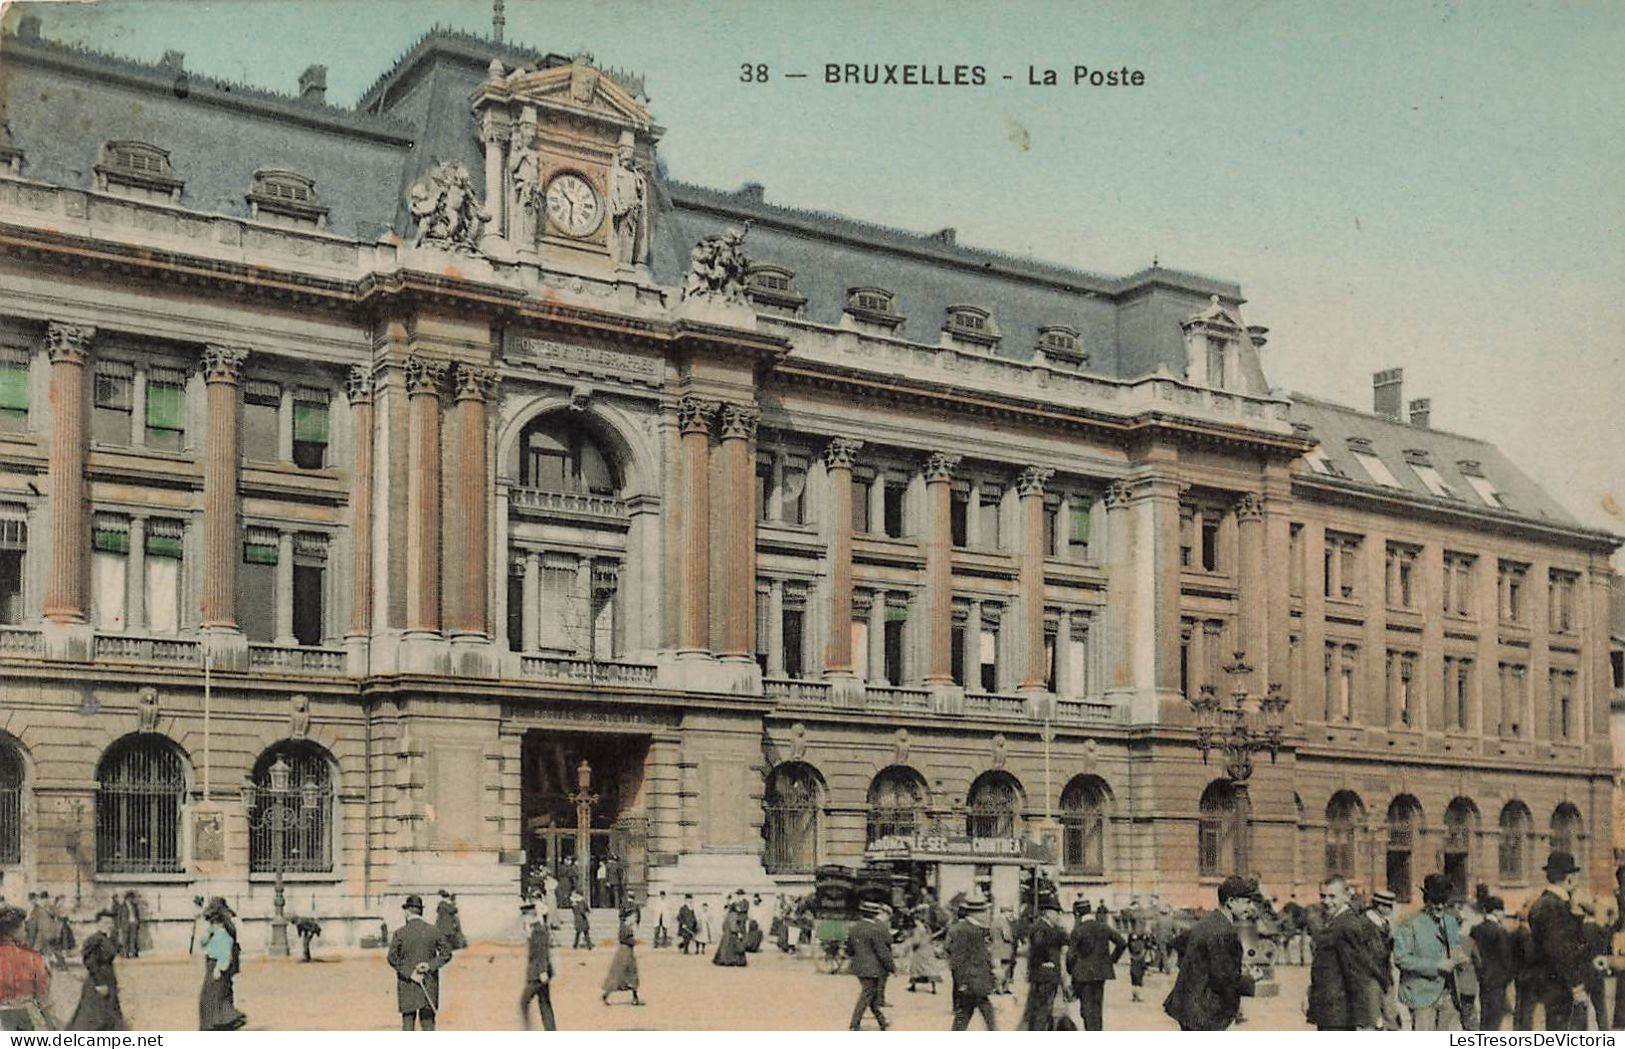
1239	726
279	808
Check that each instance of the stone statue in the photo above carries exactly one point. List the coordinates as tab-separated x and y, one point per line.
628	210
448	214
525	177
146	704
717	267
299	717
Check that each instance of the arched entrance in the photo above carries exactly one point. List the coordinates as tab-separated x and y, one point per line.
1460	828
582	809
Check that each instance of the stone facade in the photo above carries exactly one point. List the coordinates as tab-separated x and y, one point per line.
510	516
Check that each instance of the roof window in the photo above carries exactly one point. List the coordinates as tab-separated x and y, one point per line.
1058	344
774	287
278	194
137	169
972	324
874	305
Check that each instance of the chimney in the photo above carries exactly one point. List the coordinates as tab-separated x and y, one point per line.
1421	411
175	60
1258	333
1386	394
947	235
313	85
28	29
752	192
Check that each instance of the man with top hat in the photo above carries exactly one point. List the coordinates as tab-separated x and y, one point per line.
1558	956
1092	952
417	952
1207	992
869	942
970	963
538	968
1427	951
1046	943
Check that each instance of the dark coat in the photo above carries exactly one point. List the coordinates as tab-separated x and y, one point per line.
1344	992
687	923
1496	964
450	924
539	956
418	943
1045	942
1559	959
870	945
1092	950
98	1011
1207	993
970	958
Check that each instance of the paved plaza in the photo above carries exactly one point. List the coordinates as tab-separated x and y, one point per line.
356	991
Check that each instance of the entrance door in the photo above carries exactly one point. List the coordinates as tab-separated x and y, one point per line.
556	790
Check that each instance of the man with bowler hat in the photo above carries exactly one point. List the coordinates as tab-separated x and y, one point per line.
1207	992
1046	942
869	942
1427	951
1557	945
1092	952
970	963
417	952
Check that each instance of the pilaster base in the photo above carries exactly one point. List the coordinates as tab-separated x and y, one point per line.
226	648
1040	703
474	655
845	690
357	655
423	652
946	697
68	641
694	670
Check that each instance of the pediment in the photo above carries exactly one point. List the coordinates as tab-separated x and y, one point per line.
1214	315
579	89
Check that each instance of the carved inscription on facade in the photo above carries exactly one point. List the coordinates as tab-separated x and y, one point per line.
591	360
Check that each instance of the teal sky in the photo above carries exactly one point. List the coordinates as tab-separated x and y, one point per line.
1434	185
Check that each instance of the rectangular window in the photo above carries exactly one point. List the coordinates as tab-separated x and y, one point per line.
1077	666
561	616
110	552
1514	698
764	487
892	508
309	428
1458	584
13	389
1187	539
13	545
794	625
1215	365
166	409
1562	587
516	604
1051	665
309	587
956	655
1052	520
1082	526
1513	577
262	401
1349	552
256	599
793	495
1210	544
113	402
860	505
1461	692
894	645
161	584
988	655
959	517
1294	566
991	538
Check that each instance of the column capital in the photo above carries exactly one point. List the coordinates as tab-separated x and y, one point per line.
476	383
68	343
1118	495
223	363
424	375
694	415
358	384
841	452
1250	507
1032	479
940	466
739	421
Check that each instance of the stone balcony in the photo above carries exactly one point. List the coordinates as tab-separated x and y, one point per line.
147	651
534	502
296	659
1083	710
996	705
798	692
21	641
587	671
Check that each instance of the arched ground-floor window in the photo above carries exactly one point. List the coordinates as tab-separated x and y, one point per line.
897	803
11	802
1220	835
292	816
1083	825
140	795
791	809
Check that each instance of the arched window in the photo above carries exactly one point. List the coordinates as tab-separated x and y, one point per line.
557	454
1344	814
1517	827
1219	845
993	805
791	807
1083	825
1460	826
292	814
1404	823
1567	829
140	793
897	801
11	803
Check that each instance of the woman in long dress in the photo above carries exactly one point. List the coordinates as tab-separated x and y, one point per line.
99	1008
924	964
623	968
731	944
217	1006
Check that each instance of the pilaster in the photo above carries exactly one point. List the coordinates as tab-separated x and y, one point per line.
1030	490
737	530
222	368
939	583
469	520
1253	585
68	347
358	389
839	456
694	424
424	377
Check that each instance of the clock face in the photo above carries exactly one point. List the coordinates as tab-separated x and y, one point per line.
573	205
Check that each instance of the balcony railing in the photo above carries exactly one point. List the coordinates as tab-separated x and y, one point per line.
586	671
892	697
20	642
1084	710
571	504
305	660
169	651
995	704
797	690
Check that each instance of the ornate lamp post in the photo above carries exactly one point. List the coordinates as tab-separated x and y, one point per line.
584	800
278	809
1231	725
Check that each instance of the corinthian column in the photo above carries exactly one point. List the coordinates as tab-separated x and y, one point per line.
939	572
1030	489
694	423
838	458
738	528
222	366
474	389
423	380
358	387
69	348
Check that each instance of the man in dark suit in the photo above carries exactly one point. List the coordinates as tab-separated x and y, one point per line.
1343	986
1208	990
687	923
1046	943
416	953
1091	952
538	970
1558	946
869	943
970	963
583	921
1496	965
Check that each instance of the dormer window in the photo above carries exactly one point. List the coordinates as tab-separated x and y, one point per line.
139	170
971	324
1058	344
1375	468
1474	473
285	197
875	306
774	287
1423	467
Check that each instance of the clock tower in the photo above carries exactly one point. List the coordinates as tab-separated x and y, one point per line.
569	152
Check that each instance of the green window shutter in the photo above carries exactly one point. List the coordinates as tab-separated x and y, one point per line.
163	546
1080	524
111	536
896	613
166	407
260	547
310	422
13	386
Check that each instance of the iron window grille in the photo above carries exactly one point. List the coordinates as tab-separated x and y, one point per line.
140	795
791	807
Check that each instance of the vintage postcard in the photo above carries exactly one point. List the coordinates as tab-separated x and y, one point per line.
821	516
